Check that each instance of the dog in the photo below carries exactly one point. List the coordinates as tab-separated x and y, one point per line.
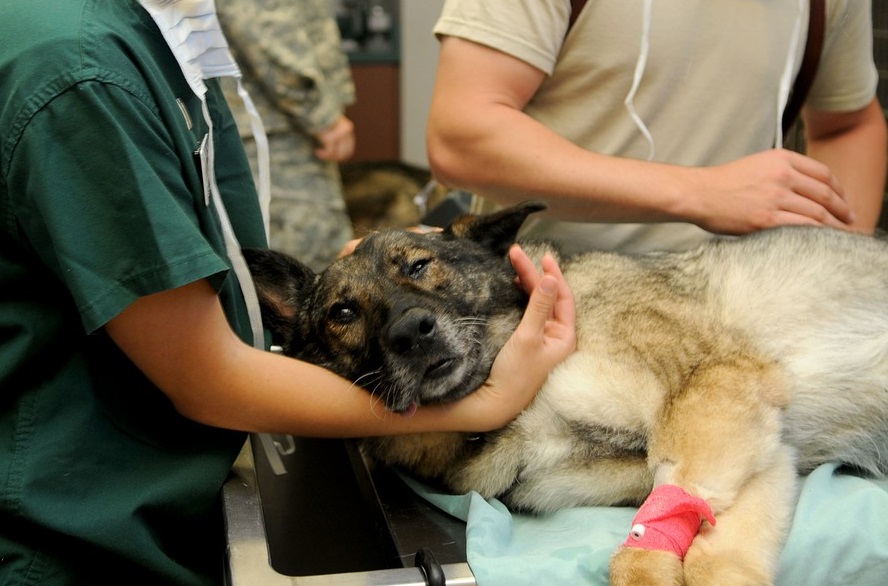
725	371
382	194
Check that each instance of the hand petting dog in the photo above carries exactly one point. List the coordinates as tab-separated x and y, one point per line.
545	337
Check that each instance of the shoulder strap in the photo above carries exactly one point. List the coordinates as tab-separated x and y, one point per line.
813	48
575	7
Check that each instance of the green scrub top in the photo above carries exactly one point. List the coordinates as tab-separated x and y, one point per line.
101	202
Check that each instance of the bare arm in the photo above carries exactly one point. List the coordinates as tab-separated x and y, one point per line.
853	145
181	340
479	139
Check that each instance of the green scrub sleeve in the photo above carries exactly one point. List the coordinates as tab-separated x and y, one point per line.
108	200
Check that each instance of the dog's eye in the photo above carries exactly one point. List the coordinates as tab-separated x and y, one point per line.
342	313
418	268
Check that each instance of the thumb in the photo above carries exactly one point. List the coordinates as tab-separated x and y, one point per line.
540	306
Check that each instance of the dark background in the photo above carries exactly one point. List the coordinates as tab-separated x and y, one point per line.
880	50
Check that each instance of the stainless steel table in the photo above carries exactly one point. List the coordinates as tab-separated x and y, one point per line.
332	520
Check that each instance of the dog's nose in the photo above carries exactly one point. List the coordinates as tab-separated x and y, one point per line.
412	329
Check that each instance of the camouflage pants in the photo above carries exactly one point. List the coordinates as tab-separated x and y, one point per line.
308	215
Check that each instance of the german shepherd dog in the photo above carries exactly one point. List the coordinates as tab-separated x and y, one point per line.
724	371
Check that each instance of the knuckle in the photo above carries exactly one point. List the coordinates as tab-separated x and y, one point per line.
821	215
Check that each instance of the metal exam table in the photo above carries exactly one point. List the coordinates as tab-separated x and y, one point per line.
331	520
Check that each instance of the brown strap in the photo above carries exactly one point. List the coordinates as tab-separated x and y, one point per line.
813	48
575	7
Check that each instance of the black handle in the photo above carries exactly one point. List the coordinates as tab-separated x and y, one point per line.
434	574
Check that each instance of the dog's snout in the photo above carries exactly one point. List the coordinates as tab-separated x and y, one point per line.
411	330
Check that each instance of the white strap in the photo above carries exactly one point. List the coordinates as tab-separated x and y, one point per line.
788	75
640	66
232	247
239	265
262	155
193	33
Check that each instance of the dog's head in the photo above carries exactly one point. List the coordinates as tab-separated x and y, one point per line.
413	318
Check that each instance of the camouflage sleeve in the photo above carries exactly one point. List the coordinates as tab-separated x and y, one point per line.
291	50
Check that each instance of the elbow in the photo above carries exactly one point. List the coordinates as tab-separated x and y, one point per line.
212	411
195	411
452	162
444	164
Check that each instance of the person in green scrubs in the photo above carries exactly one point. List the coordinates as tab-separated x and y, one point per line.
128	377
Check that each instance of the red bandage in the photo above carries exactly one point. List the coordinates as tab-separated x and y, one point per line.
668	520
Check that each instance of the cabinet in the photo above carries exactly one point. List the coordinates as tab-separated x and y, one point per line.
376	111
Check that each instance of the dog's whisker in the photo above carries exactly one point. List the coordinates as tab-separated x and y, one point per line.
371	382
376	401
473	321
376	373
368	380
482	318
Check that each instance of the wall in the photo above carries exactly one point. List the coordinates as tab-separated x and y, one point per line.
419	60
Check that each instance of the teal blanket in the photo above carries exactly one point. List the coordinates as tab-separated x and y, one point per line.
839	537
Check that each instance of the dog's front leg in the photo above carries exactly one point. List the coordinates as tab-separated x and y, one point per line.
715	449
744	546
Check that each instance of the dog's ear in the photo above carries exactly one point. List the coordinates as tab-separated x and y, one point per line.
281	284
497	230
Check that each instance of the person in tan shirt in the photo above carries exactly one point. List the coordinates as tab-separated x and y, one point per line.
647	127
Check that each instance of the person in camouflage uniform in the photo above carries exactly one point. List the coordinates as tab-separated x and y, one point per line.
298	75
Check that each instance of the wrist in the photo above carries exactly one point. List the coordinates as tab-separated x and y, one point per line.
681	188
499	401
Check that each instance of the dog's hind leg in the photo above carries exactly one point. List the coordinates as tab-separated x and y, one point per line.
718	439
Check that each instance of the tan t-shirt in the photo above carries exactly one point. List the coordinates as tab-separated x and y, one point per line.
709	92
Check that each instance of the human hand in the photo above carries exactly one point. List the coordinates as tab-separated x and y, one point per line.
336	143
543	339
768	189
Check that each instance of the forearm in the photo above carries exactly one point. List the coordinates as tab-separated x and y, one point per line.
264	392
258	391
182	342
505	155
857	156
480	140
213	377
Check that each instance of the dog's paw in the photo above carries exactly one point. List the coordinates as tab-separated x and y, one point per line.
702	568
632	566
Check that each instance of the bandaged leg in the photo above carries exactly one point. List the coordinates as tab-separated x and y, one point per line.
716	440
668	521
744	547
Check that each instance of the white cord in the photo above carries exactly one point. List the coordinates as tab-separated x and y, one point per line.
239	265
232	247
788	76
262	155
640	66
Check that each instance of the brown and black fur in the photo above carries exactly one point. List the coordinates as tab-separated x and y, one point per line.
724	370
381	194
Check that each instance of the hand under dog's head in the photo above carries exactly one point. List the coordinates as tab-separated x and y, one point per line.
413	318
